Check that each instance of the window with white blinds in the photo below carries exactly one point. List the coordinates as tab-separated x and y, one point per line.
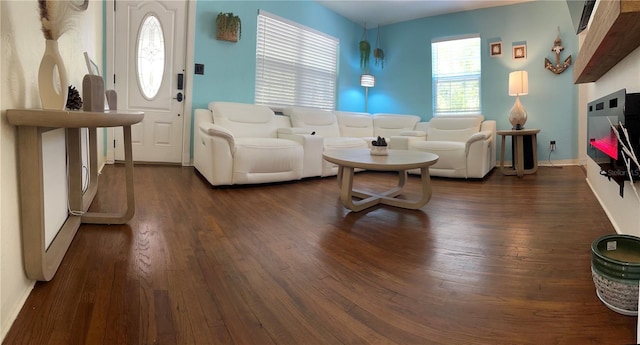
295	65
456	76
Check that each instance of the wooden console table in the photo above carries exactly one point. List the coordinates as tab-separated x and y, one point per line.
41	262
517	136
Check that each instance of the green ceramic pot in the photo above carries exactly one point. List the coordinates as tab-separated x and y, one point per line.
615	267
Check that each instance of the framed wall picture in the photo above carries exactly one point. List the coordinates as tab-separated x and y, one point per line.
520	52
495	49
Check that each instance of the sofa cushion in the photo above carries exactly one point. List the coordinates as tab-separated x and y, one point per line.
344	143
355	124
323	122
388	125
245	120
452	128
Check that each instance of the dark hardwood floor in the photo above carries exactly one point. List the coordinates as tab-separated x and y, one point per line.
505	260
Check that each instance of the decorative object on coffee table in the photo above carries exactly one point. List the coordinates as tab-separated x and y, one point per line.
229	27
615	268
379	147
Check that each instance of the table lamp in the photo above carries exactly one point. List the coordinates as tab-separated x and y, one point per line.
367	81
518	85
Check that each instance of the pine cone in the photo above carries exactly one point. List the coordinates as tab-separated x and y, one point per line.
74	101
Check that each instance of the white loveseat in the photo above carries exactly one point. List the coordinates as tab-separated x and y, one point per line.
466	145
237	143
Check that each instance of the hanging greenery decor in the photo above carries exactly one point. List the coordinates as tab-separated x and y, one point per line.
229	27
365	50
378	53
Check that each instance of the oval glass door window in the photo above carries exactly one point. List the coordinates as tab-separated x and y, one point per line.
151	57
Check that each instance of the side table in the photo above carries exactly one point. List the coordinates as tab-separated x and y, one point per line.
41	262
517	136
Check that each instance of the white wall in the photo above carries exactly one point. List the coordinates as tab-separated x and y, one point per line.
22	46
624	213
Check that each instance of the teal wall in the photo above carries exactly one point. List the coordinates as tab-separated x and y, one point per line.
404	84
230	68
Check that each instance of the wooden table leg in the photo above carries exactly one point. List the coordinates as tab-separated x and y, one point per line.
119	218
519	155
347	193
502	155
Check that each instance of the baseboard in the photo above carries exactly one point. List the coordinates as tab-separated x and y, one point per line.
6	324
604	208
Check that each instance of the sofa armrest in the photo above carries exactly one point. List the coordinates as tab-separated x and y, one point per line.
405	138
214	130
480	136
312	146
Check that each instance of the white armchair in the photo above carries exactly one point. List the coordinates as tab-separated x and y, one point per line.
238	143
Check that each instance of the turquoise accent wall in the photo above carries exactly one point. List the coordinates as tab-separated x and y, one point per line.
404	84
230	68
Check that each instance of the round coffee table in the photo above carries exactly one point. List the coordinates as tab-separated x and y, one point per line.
396	160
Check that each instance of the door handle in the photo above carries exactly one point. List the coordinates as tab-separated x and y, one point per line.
178	97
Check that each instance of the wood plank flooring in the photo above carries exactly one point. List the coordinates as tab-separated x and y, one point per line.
504	260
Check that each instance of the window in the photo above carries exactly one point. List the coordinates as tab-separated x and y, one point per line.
456	76
150	64
295	65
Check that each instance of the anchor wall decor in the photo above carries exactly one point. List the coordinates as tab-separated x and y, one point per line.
557	48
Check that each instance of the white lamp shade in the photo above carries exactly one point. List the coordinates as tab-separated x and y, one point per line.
367	80
518	83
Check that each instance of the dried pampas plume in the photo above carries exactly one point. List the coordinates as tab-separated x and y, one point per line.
55	16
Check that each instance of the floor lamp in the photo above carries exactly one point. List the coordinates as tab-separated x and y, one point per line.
367	81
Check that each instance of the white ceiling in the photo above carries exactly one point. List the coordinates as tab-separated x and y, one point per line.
385	12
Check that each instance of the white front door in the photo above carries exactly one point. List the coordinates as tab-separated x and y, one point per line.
150	45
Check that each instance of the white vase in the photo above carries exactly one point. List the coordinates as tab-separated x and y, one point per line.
52	78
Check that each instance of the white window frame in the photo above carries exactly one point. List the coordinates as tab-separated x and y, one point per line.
447	71
295	65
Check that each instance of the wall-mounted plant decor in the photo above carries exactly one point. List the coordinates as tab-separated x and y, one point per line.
378	53
229	27
365	50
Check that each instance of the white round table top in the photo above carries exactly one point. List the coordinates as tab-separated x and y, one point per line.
395	159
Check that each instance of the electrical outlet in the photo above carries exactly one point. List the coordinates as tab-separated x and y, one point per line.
552	145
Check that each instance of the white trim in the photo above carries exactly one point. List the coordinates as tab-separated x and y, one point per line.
451	38
189	61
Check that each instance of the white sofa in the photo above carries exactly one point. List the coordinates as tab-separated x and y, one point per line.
237	143
341	129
